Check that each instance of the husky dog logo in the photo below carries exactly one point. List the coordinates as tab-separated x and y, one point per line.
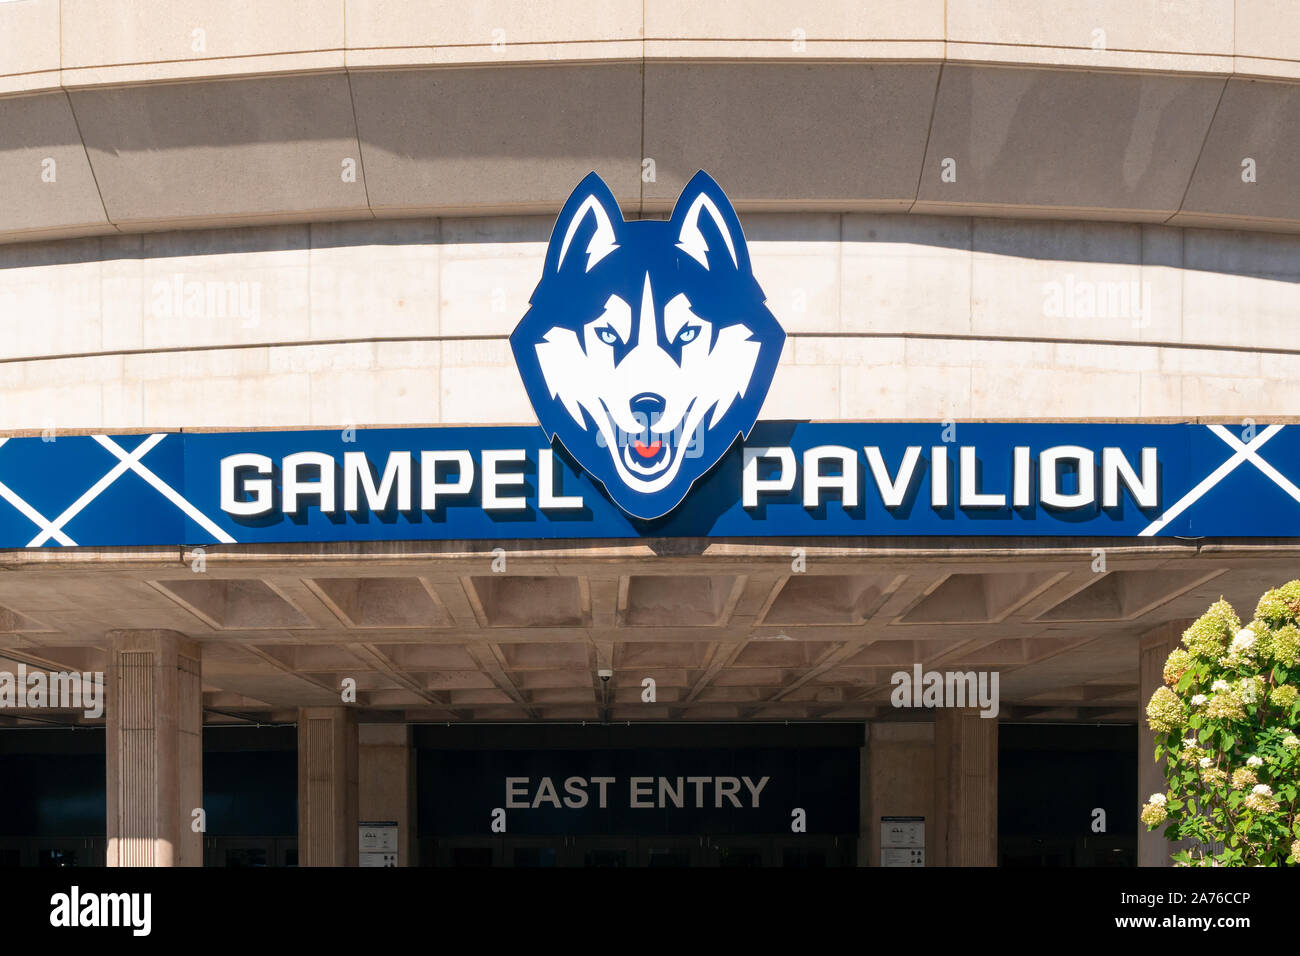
647	347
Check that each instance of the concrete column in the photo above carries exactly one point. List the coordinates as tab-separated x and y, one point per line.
387	782
966	787
1153	650
154	745
901	783
327	786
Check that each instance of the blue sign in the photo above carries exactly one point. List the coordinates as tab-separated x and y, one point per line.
788	479
647	348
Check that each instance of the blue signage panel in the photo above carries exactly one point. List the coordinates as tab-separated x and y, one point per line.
787	479
646	352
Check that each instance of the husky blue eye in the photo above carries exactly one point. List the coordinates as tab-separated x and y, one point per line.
608	336
688	334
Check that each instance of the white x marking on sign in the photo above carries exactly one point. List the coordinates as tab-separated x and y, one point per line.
1252	455
1241	452
30	513
126	462
166	490
93	492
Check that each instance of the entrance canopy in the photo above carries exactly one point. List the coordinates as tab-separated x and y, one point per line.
689	629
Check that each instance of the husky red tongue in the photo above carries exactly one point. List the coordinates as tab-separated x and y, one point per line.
647	451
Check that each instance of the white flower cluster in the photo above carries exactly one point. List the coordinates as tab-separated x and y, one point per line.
1242	642
1252	688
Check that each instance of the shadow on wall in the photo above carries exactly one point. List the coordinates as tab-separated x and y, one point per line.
1274	256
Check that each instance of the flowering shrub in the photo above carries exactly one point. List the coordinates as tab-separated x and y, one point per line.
1224	722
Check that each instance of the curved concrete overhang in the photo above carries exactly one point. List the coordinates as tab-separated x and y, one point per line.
142	116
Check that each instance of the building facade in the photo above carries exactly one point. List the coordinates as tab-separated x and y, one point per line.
312	227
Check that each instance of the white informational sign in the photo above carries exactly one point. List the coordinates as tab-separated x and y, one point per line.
377	841
902	841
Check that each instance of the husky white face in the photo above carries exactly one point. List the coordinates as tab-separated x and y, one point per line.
647	348
650	403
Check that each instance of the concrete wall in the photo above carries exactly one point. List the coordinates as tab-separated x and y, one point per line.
196	113
87	42
386	783
889	316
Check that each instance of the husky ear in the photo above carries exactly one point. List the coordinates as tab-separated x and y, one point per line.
707	227
587	229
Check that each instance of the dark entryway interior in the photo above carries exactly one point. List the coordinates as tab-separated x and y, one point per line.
678	816
1051	780
53	809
